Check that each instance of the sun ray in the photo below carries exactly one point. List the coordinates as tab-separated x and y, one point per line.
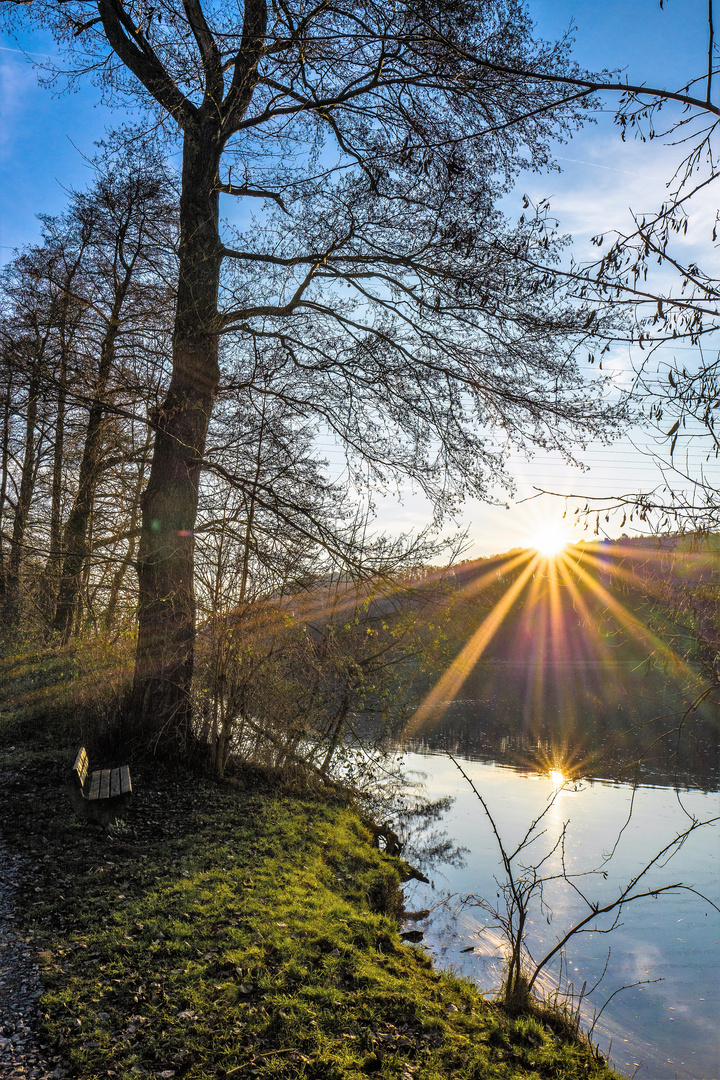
642	633
652	583
452	680
536	637
342	596
583	610
558	627
504	566
568	620
559	644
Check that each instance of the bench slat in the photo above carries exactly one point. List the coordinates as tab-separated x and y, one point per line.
81	765
105	784
94	791
125	783
114	783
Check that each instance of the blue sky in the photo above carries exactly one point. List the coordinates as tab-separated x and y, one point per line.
45	138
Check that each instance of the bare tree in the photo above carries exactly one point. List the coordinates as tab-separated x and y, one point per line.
37	328
376	142
130	214
63	251
306	674
527	877
82	312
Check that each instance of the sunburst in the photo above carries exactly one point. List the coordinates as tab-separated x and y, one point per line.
549	539
549	579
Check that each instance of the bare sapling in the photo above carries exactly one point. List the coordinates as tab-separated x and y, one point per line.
522	893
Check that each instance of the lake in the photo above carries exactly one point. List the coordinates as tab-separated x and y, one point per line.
663	1027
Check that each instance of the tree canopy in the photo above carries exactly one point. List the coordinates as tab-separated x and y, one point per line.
368	282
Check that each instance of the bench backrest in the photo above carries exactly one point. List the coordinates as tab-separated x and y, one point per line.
81	766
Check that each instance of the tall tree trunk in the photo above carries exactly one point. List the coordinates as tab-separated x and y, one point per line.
53	561
4	467
68	320
74	541
22	507
251	507
129	557
166	610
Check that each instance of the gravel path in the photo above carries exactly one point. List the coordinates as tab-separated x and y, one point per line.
22	1054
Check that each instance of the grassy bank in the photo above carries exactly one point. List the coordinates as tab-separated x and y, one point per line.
241	932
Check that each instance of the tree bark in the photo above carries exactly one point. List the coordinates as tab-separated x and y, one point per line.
55	554
129	557
166	610
4	472
22	508
74	540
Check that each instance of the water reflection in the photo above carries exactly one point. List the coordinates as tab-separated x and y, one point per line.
665	1024
625	723
557	779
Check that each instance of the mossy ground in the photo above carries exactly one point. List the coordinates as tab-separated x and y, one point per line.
243	932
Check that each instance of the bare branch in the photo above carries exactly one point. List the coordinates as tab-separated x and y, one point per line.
136	53
210	53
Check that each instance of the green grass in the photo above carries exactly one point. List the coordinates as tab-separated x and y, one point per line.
241	933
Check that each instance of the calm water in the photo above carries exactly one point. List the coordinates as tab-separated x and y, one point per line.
661	1029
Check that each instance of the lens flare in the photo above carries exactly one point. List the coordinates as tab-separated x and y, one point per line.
563	626
556	778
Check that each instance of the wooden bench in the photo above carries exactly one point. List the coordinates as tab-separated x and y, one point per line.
101	795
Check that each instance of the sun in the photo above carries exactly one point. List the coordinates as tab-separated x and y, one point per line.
549	539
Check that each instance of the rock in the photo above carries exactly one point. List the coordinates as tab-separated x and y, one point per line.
412	935
416	916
